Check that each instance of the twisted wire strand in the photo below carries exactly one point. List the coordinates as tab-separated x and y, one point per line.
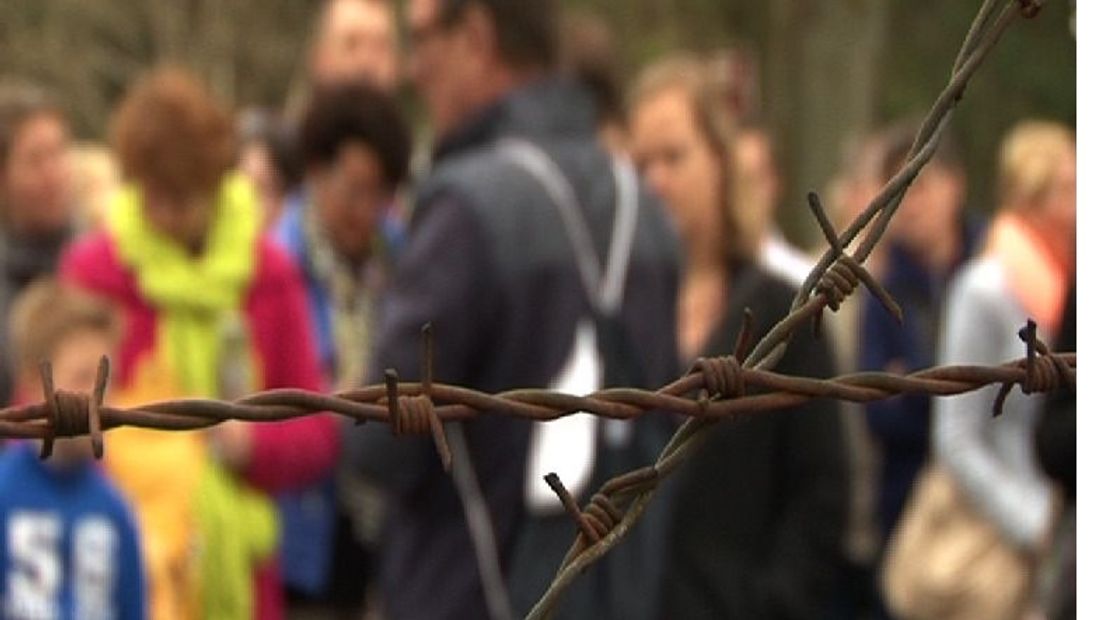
453	403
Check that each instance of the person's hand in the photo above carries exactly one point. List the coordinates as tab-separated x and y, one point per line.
232	444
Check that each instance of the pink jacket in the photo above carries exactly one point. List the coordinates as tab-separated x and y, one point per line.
285	455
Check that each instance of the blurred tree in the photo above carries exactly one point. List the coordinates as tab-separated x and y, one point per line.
829	68
822	75
248	50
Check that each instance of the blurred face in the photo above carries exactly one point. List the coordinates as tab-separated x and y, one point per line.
443	66
256	163
675	159
77	358
185	218
358	42
930	209
351	197
36	185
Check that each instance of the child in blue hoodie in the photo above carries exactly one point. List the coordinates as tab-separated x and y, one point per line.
68	542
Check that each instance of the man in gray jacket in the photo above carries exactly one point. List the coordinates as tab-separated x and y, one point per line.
491	263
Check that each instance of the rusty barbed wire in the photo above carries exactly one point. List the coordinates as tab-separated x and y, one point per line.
714	389
717	388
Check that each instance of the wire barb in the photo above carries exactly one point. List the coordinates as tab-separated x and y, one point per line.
723	376
417	415
743	341
72	414
845	274
1030	8
586	527
1043	371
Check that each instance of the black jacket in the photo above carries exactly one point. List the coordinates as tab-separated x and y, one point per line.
489	264
759	511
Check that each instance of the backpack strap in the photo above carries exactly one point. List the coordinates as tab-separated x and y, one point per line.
604	290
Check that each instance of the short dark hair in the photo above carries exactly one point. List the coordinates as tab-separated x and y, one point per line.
355	112
528	30
277	136
588	53
898	143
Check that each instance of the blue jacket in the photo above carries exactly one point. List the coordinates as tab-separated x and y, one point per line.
69	546
308	517
290	232
901	426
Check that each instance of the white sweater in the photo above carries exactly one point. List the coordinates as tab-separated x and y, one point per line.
993	460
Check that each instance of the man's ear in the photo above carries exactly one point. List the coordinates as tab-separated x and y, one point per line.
479	31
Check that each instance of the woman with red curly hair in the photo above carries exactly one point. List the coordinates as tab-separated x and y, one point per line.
213	309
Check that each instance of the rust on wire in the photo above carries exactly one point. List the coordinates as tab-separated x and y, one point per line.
845	273
416	414
1043	371
572	507
49	396
409	410
743	341
723	376
72	414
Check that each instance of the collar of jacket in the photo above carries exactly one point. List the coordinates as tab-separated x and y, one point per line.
548	106
24	257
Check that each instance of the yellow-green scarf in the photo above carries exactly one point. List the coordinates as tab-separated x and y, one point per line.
240	530
195	297
198	301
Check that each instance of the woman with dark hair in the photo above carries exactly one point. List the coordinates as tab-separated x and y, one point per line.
759	511
342	228
988	466
213	309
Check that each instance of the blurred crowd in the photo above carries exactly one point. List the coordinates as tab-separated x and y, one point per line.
559	229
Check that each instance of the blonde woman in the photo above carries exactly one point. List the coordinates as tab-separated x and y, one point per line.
758	513
1024	271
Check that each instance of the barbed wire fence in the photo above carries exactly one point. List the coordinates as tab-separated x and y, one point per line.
713	389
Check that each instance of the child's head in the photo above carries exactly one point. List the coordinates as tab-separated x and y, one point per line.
50	321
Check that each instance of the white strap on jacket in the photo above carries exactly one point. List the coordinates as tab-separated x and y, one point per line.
568	446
